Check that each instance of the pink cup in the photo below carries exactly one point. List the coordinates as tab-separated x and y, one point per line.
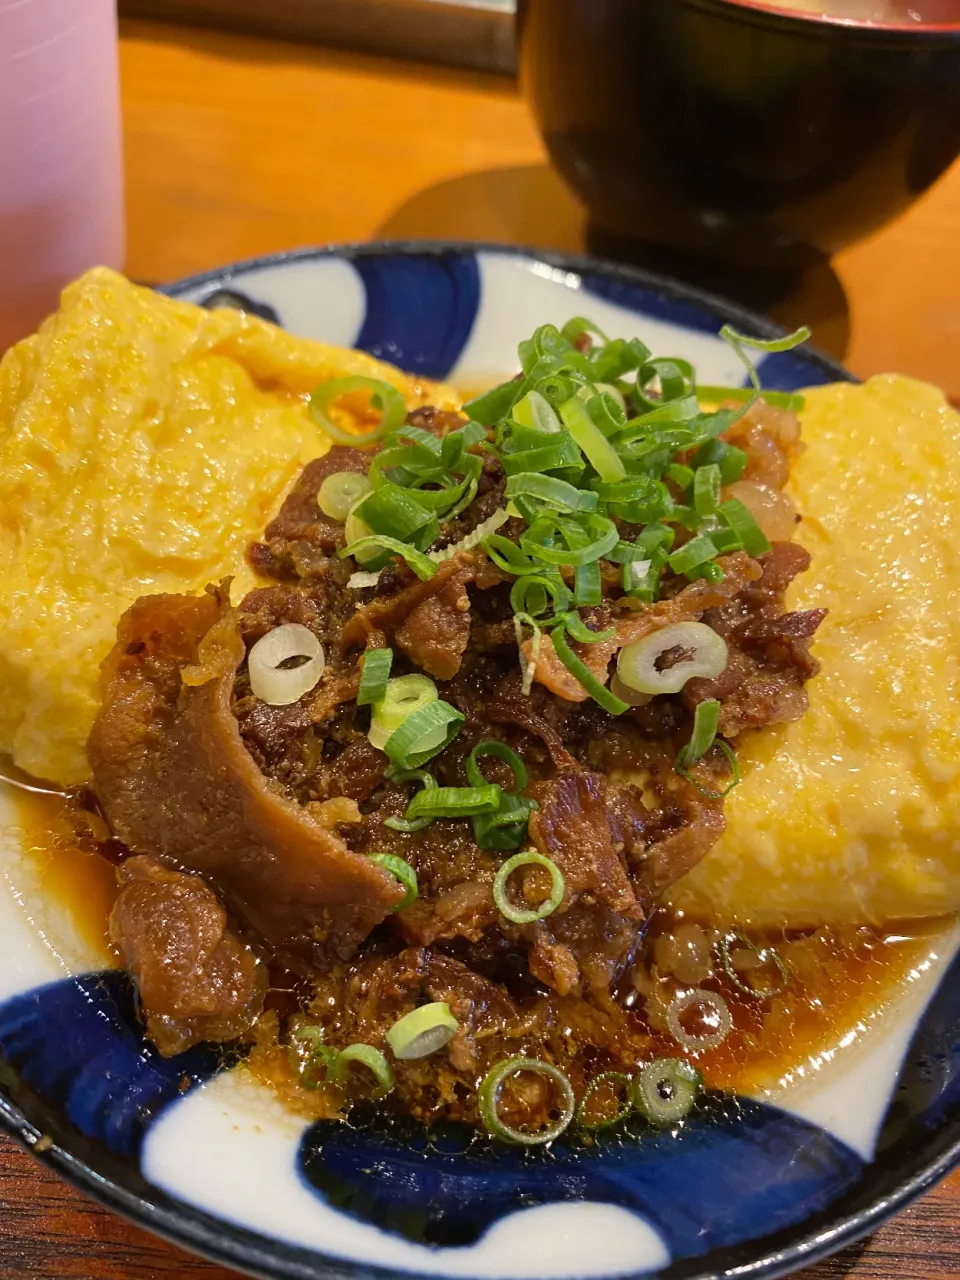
61	179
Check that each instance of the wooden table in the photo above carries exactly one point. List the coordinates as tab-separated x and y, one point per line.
237	147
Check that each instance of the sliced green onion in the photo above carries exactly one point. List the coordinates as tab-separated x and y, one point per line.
535	592
535	412
683	769
588	585
719	1016
428	781
764	955
777	399
579	325
365	1055
402	696
706	719
423	735
560	454
664	1090
680	475
506	555
422	1032
706	489
340	492
551	492
382	395
374	673
491	747
587	539
596	447
641	578
740	340
731	460
453	802
702	653
624	1106
403	871
578	630
507	827
421	565
273	682
743	524
310	1059
517	915
396	513
474	539
489	1099
692	554
492	405
607	412
582	673
527	668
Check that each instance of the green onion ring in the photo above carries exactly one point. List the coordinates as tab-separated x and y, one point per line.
405	825
489	1098
405	745
765	954
392	409
421	565
319	1056
623	1110
454	802
422	1031
367	1056
681	767
679	1006
776	399
339	493
374	674
403	872
491	747
529	858
582	673
684	1081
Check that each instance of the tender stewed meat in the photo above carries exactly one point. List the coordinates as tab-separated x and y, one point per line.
435	634
571	828
176	782
298	543
197	980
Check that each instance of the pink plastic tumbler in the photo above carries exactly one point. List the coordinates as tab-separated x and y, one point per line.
61	189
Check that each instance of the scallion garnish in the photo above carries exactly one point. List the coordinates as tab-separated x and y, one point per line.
426	780
421	565
706	720
404	873
372	1060
374	673
424	734
489	1099
518	915
622	1106
664	1091
453	802
764	956
422	1032
582	673
381	395
714	1016
778	399
340	493
596	448
738	518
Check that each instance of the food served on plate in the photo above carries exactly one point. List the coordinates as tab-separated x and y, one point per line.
408	814
142	442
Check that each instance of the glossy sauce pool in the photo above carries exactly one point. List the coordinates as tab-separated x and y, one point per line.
841	979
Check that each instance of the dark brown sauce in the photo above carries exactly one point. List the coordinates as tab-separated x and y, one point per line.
841	978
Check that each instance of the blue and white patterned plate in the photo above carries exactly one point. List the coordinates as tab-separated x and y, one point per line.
192	1149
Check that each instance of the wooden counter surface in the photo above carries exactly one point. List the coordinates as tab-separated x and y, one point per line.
237	146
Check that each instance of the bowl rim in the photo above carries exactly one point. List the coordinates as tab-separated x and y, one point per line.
229	1244
856	27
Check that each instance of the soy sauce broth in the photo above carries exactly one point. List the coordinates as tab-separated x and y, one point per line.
841	979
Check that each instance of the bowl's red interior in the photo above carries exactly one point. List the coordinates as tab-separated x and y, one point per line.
889	15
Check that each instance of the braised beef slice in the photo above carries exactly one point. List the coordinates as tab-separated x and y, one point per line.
298	543
197	980
175	781
571	828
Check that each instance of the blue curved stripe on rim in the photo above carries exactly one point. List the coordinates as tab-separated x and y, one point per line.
79	1045
737	1171
658	306
420	309
791	371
